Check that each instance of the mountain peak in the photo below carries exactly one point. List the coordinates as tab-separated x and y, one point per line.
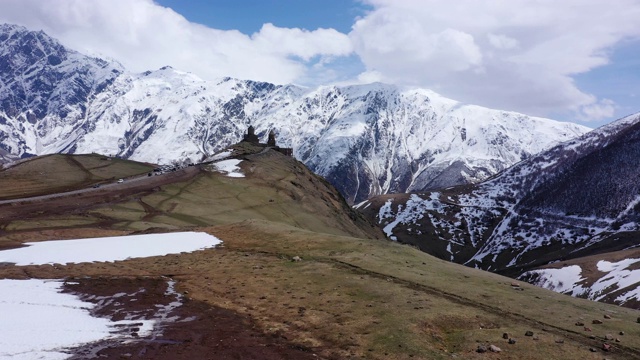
365	139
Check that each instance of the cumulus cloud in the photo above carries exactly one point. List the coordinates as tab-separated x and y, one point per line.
511	54
517	55
597	110
144	36
502	42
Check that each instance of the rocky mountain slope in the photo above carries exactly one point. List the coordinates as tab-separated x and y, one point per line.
365	139
577	198
612	278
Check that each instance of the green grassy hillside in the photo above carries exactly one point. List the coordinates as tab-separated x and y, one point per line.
352	295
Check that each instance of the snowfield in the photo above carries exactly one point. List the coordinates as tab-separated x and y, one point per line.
39	321
107	248
229	167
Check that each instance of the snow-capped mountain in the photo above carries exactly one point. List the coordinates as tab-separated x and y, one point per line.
365	139
46	92
577	198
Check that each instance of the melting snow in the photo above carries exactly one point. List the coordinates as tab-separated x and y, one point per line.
229	167
616	278
107	248
559	280
39	322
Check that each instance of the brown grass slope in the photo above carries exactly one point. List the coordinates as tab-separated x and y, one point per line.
352	296
57	173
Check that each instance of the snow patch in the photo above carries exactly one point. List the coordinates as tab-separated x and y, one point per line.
40	322
616	279
559	280
229	167
107	248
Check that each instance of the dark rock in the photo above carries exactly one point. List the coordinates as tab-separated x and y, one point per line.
505	336
512	341
592	349
607	316
621	333
560	341
579	323
481	349
528	333
596	321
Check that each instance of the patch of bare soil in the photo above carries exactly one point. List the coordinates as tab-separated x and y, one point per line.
185	329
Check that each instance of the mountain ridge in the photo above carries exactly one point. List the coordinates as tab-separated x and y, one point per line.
365	139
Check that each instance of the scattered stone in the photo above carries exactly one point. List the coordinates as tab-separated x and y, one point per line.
621	333
528	333
515	284
592	337
606	316
592	349
587	328
481	349
536	337
617	339
505	336
596	321
579	323
560	341
638	320
296	258
608	337
512	341
494	349
606	347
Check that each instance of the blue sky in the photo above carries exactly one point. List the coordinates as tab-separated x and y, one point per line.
571	60
248	16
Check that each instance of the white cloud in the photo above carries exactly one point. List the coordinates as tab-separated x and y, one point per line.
502	42
516	54
597	110
145	36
